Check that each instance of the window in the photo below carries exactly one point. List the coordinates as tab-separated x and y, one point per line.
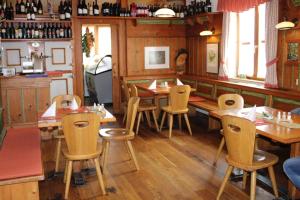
247	44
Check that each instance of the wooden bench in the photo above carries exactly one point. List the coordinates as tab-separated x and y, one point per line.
20	164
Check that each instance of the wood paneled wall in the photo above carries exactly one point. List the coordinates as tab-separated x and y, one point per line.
196	46
141	35
288	71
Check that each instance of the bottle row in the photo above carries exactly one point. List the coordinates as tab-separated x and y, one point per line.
141	10
31	8
35	30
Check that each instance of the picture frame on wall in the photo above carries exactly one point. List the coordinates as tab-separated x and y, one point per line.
157	57
212	58
293	51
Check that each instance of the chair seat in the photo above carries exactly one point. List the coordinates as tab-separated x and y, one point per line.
169	110
146	106
146	95
292	170
115	134
261	159
82	157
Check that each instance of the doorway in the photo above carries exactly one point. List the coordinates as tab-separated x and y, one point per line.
97	63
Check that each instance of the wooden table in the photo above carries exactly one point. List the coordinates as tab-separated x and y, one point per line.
273	131
47	122
158	93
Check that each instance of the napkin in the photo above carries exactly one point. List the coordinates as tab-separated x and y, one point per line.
153	85
51	111
178	82
74	105
251	115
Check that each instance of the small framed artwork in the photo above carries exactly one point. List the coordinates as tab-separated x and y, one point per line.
293	51
13	57
157	57
212	58
58	56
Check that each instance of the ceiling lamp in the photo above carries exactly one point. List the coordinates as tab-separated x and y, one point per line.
207	32
164	12
285	25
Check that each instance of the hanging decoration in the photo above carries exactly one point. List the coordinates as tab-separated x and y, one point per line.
87	42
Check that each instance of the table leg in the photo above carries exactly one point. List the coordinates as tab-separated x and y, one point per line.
292	190
157	104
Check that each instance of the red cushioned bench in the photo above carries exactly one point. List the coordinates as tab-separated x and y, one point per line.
20	164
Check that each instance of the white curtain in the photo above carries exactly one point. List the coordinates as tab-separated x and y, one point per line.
271	43
223	71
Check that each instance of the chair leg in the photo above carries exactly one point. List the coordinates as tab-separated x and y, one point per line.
125	115
273	180
138	123
162	120
148	118
187	123
170	125
132	154
222	143
66	171
227	175
99	174
179	122
155	121
58	152
253	185
105	153
245	174
69	172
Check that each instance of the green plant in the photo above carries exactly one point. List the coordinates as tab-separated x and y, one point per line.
87	42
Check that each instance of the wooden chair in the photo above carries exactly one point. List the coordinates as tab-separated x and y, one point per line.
228	101
126	91
178	100
122	134
240	136
81	135
143	107
62	101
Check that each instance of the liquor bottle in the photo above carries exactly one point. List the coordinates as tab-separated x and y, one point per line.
22	7
96	8
3	31
36	31
45	31
17	6
91	11
11	11
20	31
53	32
79	8
27	5
23	31
67	12
105	9
40	8
84	8
208	6
69	32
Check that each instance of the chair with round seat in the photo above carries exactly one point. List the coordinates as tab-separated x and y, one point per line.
62	101
292	170
178	101
121	134
144	107
228	101
126	91
81	136
240	134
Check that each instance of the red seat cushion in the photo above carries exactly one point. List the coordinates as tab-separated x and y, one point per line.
20	155
195	99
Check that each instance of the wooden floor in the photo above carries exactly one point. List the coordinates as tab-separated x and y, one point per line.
179	169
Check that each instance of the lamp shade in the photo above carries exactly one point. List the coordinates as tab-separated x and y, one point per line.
285	25
206	33
164	12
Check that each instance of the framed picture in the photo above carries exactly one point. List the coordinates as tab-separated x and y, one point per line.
157	57
58	56
293	51
13	57
212	58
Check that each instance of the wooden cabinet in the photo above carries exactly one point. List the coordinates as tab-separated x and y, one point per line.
23	98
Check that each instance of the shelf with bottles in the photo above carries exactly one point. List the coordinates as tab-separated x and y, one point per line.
34	31
36	39
32	10
44	19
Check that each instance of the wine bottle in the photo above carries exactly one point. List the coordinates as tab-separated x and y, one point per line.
79	8
34	6
91	12
22	7
28	13
32	14
67	12
40	7
96	8
84	8
208	6
17	6
61	11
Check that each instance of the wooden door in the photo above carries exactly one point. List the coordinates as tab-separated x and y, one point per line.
14	114
43	98
29	105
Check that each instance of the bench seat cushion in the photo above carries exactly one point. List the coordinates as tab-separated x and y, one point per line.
20	155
